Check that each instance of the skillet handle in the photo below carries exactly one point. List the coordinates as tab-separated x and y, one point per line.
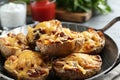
110	24
116	64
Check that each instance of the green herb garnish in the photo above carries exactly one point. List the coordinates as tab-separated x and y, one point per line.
84	5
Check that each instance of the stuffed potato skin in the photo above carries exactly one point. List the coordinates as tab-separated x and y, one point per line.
60	43
94	41
12	43
27	65
54	40
77	66
46	27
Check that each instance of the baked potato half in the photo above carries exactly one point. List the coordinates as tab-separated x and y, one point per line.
60	43
26	65
11	43
94	42
46	27
77	66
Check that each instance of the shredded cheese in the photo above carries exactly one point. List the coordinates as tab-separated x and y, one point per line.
22	62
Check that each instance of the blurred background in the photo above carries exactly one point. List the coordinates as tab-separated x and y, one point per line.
74	10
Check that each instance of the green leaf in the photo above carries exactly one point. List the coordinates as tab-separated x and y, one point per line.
84	5
101	6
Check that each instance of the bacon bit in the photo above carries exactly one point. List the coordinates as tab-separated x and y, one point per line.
37	36
39	31
32	65
39	40
69	38
53	32
19	42
8	44
21	68
42	31
62	34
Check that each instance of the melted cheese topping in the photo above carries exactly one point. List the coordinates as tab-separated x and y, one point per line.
71	34
60	36
92	40
73	65
46	27
52	32
24	61
49	26
80	62
15	41
30	35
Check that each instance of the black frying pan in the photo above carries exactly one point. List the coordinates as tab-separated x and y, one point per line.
109	54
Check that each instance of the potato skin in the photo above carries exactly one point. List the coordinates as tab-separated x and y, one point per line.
59	49
6	51
26	65
74	73
45	27
94	42
25	78
12	43
96	51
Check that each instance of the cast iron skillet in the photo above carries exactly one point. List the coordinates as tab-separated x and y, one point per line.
109	54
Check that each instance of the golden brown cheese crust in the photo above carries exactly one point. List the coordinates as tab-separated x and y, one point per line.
94	41
61	43
11	43
77	66
45	27
49	36
27	65
54	40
